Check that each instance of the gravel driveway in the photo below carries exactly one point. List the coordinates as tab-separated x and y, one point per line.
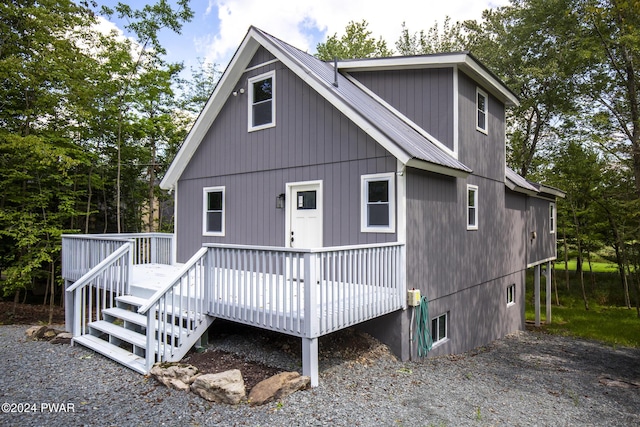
524	379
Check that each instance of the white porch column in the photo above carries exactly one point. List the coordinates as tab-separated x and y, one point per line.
548	299
310	359
536	292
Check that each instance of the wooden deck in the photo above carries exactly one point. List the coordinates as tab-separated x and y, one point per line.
304	293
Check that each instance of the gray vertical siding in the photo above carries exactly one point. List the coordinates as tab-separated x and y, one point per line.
425	96
311	141
483	153
543	247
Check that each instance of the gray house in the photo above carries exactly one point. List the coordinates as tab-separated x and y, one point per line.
401	149
314	195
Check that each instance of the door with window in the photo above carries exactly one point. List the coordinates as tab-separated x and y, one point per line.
304	214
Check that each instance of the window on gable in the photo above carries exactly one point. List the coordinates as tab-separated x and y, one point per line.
262	111
378	203
440	328
213	211
472	207
552	217
511	294
481	108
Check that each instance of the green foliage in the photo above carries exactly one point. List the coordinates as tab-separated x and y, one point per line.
450	39
85	121
357	42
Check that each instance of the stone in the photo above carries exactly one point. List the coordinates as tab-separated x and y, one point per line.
62	338
175	375
278	387
224	387
36	332
50	334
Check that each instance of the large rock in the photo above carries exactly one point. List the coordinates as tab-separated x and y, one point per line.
62	338
36	332
175	375
225	387
278	387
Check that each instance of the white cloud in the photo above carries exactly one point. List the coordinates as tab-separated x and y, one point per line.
294	21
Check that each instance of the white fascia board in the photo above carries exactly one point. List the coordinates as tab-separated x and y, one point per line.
216	101
336	101
553	191
402	62
402	117
513	187
432	167
495	86
461	59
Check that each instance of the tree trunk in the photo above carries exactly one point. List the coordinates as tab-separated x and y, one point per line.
566	257
555	283
584	294
52	292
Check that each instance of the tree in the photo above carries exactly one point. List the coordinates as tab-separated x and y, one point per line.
357	42
451	39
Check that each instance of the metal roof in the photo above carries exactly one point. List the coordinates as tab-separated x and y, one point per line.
377	115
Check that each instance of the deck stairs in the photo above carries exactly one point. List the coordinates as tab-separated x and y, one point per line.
121	332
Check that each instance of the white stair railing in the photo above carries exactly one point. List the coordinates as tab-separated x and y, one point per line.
97	289
178	312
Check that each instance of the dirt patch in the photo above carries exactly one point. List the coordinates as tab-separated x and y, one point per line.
347	345
28	314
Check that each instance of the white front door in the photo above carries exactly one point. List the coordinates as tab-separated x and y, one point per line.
304	215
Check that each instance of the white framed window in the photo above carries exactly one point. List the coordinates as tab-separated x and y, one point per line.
481	110
262	101
511	294
440	328
378	203
552	218
472	207
213	211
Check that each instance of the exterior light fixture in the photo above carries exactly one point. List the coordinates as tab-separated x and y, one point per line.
280	201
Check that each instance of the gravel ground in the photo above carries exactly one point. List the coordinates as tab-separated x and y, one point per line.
527	379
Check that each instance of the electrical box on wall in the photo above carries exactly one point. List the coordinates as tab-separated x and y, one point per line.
413	297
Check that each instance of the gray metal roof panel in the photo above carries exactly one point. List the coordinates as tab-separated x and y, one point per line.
413	143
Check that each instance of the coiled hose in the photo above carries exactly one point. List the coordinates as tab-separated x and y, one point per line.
423	328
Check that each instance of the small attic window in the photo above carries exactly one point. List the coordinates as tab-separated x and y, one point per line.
481	107
262	108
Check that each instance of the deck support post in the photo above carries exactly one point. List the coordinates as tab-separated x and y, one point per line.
68	307
547	275
536	292
310	359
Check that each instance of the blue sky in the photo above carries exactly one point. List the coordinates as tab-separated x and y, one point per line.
219	25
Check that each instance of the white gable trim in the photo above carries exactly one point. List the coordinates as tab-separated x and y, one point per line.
404	118
212	108
330	96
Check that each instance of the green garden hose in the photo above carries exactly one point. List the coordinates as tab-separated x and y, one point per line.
423	328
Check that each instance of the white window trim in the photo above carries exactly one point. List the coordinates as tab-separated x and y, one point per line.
364	179
250	82
205	192
475	189
511	295
553	218
484	130
441	340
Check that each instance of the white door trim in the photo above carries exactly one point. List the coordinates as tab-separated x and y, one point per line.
290	186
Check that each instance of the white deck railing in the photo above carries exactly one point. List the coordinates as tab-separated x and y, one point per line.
306	293
179	312
82	252
97	289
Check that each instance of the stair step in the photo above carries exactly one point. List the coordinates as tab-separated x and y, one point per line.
137	319
119	332
132	300
113	352
126	315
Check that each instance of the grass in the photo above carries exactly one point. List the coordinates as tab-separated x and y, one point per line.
607	319
597	267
